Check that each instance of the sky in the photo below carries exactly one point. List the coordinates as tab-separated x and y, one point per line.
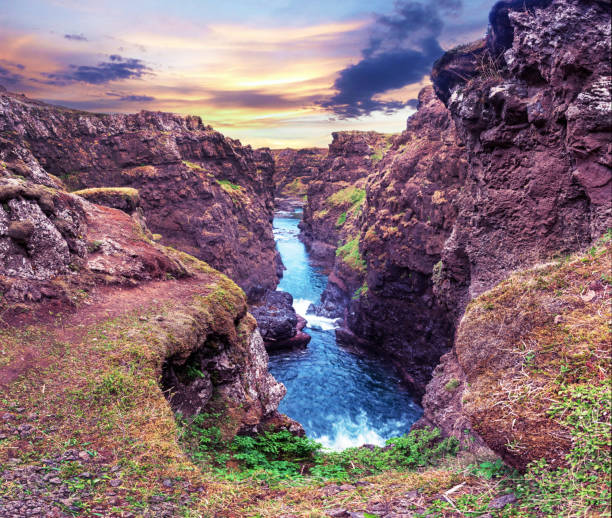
275	73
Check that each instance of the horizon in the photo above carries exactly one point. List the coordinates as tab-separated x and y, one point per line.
278	76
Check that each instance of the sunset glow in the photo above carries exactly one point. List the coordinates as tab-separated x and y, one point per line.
261	74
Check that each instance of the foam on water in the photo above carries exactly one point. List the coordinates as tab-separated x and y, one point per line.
347	433
314	321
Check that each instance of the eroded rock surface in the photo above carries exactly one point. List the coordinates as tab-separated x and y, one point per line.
281	327
202	192
409	212
294	168
539	183
537	137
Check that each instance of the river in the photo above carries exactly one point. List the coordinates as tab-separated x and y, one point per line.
342	399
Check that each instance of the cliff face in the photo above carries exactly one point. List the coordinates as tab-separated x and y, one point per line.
537	133
333	214
338	188
536	126
409	212
293	170
64	259
202	192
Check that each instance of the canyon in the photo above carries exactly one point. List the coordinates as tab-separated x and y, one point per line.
469	253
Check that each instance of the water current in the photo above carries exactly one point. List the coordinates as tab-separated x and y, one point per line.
342	399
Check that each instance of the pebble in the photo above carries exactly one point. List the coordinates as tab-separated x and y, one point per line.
116	482
501	501
83	455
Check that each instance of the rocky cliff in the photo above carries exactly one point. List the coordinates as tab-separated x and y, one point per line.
200	191
294	169
515	169
536	125
537	128
333	212
409	213
62	257
105	335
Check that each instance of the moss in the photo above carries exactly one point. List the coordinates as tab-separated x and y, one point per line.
350	255
550	327
94	192
376	156
452	385
192	165
341	220
362	291
349	196
296	188
228	186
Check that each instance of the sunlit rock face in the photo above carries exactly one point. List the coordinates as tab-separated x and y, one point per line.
202	192
408	214
536	129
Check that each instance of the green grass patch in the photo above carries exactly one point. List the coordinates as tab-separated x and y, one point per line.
349	196
228	186
192	165
281	456
361	291
350	255
376	156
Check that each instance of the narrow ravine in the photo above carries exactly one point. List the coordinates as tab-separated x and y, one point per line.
340	398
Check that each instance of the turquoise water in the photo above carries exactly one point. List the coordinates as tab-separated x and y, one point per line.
340	398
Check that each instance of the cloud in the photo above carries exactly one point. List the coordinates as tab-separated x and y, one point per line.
75	37
7	77
116	69
132	98
253	99
401	50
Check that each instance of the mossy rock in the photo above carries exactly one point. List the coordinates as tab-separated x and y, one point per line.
126	199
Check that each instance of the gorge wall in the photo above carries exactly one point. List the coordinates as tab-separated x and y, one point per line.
514	169
201	192
293	170
68	266
537	129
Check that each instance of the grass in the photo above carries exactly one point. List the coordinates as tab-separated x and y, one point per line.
280	456
347	197
94	192
296	188
376	156
193	165
362	291
350	255
228	186
341	219
538	350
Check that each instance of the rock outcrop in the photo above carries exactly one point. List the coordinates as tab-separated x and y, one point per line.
280	326
200	191
537	132
294	169
536	339
332	214
338	189
63	256
539	183
409	213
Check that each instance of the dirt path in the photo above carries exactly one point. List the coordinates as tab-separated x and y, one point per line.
71	324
